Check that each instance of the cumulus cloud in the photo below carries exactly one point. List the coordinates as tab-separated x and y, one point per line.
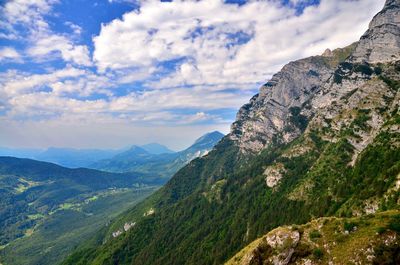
147	107
17	83
76	29
46	43
43	42
219	43
9	53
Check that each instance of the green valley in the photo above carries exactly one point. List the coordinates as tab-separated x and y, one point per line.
46	210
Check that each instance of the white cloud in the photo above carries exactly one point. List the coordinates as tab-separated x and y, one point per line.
45	43
25	11
76	29
227	44
16	83
42	41
178	98
9	53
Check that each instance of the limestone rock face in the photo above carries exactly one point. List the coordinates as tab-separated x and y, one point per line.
315	88
274	174
381	42
277	248
268	112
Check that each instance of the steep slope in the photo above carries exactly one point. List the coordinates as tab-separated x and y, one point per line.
165	164
43	206
321	138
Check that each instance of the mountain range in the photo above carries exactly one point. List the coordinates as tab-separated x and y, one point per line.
74	158
164	164
150	158
309	174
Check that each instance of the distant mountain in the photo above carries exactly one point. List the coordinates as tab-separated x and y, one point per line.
205	142
165	164
74	158
48	207
156	149
20	152
134	151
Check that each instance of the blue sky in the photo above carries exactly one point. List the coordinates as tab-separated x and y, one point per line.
113	73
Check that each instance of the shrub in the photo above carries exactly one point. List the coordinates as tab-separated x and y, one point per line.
364	69
349	226
380	230
314	234
394	224
318	253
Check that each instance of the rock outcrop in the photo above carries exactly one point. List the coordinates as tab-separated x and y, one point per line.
326	241
268	114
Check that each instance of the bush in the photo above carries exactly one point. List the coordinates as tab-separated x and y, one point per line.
318	253
349	226
364	69
380	230
378	70
314	234
394	224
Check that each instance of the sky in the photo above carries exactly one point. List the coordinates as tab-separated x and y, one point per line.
112	73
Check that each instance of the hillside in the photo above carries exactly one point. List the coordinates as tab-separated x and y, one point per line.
46	209
321	138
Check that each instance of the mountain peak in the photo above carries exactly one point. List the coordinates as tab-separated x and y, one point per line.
156	149
135	150
209	137
381	42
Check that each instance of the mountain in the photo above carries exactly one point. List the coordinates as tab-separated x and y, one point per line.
156	149
166	164
74	158
204	144
20	152
46	208
320	139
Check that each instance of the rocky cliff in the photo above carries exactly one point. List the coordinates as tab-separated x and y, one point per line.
284	105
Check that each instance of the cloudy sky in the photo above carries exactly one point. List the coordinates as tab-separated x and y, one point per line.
112	73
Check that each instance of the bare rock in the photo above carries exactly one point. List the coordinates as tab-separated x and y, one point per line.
273	174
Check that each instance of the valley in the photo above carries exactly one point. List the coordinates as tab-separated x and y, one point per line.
47	210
